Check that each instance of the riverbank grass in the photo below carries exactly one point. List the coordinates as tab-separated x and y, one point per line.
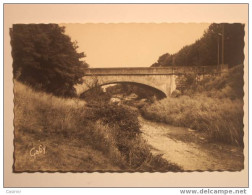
78	136
220	119
214	106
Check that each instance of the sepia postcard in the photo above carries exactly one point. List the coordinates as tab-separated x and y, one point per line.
141	98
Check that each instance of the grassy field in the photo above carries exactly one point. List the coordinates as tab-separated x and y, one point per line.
214	106
57	134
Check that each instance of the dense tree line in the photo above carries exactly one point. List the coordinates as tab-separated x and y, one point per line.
207	50
46	59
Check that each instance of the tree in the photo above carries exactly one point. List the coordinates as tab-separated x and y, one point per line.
164	60
234	44
45	58
207	50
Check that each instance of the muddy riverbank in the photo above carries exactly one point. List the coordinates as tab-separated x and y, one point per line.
189	149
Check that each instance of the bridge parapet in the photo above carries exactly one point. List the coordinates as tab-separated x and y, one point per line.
172	70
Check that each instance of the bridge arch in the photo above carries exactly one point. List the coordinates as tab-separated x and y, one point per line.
157	92
163	83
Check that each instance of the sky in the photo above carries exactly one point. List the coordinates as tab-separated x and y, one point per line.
131	44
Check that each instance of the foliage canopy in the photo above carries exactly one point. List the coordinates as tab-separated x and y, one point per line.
207	50
46	59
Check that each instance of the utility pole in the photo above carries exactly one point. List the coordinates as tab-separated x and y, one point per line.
222	62
218	50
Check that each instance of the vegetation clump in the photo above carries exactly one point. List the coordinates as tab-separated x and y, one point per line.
213	105
125	129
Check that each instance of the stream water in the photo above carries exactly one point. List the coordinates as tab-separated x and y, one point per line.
189	149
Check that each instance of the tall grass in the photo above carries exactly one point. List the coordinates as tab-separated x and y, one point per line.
221	119
59	122
78	137
214	106
228	85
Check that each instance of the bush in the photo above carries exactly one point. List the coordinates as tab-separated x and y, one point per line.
115	115
126	135
176	93
123	120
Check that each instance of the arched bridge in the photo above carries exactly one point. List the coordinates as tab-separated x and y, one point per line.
160	78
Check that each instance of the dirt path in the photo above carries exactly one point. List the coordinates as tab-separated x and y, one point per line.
189	149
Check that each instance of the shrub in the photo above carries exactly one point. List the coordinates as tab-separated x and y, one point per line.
123	120
126	136
176	93
115	115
